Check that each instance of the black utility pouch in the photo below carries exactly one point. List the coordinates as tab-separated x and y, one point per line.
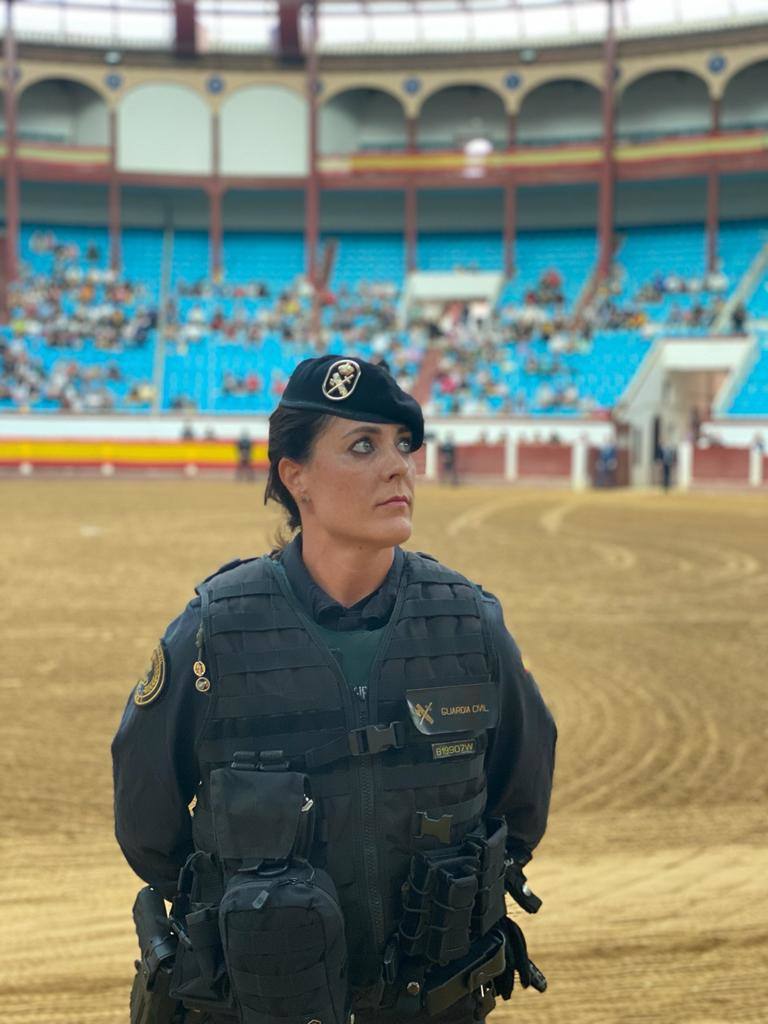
490	905
285	947
280	921
199	976
438	901
258	815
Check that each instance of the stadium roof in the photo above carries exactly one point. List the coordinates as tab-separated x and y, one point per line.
374	26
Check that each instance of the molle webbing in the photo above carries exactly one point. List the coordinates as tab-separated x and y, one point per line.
275	686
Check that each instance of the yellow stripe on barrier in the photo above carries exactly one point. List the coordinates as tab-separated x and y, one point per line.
125	453
661	149
64	154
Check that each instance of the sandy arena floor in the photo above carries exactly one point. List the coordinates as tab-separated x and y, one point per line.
643	616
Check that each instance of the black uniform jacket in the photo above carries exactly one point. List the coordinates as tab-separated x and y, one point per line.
153	752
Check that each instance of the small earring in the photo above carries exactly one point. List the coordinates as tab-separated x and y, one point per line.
304	499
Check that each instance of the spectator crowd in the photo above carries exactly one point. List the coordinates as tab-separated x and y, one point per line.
70	326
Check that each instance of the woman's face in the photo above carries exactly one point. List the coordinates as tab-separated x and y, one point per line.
357	485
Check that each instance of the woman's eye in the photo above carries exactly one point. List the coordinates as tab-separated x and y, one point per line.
362	446
405	444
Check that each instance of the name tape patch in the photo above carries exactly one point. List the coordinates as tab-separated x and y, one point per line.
453	748
462	708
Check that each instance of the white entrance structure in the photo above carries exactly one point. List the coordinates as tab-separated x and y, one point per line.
678	376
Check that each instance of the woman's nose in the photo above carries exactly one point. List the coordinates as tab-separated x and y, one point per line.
397	464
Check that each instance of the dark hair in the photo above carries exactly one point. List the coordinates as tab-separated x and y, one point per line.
292	435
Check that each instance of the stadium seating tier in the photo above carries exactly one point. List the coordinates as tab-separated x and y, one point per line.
201	360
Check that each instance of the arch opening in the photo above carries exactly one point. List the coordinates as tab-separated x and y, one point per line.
62	111
264	132
567	110
361	120
745	101
664	103
453	117
163	127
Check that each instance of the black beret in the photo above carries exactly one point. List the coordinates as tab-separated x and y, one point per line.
355	390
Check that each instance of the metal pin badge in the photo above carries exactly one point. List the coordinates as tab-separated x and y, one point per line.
198	668
202	684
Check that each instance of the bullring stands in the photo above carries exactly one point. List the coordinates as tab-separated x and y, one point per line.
662	270
80	338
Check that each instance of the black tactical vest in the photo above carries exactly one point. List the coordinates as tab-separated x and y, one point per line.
414	783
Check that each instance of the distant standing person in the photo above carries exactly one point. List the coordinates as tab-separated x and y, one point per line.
448	460
668	460
605	467
739	319
244	469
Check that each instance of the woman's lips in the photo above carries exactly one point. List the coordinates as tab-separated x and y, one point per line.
398	500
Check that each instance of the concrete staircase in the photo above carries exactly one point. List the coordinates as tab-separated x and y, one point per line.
743	291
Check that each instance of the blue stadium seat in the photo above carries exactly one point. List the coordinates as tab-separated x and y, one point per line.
752	397
450	250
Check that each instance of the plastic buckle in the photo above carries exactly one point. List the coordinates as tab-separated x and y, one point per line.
373	739
440	828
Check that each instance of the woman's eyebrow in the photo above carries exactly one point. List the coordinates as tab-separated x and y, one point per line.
371	429
368	429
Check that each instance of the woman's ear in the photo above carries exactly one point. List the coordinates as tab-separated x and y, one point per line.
291	475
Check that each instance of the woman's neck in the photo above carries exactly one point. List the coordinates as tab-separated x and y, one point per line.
347	572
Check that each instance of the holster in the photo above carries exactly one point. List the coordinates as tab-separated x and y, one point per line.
151	1002
155	1005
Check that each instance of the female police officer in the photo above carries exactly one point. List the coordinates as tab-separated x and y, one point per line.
388	679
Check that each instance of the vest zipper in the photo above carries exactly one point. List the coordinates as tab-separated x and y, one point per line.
358	713
370	852
366	769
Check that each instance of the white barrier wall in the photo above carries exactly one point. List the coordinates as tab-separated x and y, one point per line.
169	427
560	451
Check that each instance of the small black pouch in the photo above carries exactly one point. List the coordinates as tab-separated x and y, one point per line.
490	905
453	899
257	815
438	901
199	974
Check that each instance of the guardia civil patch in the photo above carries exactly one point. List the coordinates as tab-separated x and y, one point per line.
150	687
465	707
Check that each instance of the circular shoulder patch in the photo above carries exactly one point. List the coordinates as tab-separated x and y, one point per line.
150	687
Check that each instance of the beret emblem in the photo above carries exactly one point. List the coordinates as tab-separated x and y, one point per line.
341	380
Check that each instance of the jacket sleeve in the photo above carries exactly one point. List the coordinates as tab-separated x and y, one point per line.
521	758
154	763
